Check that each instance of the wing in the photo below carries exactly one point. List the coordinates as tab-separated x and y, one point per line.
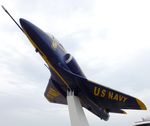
54	94
111	99
105	97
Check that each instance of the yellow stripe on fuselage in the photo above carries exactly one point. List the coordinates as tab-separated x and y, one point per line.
46	60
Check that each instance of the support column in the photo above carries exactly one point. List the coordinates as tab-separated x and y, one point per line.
76	112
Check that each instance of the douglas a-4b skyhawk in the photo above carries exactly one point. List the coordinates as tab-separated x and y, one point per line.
66	75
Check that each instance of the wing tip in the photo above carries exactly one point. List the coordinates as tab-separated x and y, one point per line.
141	105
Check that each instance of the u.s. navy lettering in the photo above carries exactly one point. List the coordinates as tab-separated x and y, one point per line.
111	95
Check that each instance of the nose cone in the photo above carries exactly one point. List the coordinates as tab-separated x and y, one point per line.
38	37
33	32
24	23
29	28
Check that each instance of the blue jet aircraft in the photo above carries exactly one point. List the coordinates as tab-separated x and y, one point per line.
66	75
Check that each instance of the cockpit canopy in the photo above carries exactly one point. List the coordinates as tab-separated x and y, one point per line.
55	43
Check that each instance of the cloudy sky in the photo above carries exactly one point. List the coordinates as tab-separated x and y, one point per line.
109	39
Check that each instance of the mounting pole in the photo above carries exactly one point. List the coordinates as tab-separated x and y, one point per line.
76	112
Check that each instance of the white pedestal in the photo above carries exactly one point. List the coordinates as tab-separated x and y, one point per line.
76	112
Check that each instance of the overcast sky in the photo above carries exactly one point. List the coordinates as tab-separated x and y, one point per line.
109	39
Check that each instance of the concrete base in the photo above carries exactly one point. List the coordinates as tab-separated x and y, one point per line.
76	112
